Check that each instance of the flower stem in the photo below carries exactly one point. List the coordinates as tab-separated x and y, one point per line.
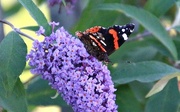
17	30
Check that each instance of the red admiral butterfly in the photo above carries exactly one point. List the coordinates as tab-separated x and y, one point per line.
100	42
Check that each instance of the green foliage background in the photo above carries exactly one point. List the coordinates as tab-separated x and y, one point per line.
148	61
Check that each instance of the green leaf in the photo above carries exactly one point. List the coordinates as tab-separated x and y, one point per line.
12	61
165	101
159	47
161	84
126	100
149	21
147	71
177	44
177	28
40	93
140	90
16	100
90	18
32	28
40	2
36	14
141	51
12	10
159	7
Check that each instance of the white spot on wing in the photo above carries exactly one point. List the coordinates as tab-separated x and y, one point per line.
103	28
124	36
123	30
103	42
97	37
131	30
94	44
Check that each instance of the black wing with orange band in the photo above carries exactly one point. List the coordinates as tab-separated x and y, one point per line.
100	42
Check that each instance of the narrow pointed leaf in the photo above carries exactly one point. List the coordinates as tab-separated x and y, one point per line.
141	51
31	28
161	84
147	71
159	7
36	14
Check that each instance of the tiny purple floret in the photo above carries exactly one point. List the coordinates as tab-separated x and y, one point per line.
40	31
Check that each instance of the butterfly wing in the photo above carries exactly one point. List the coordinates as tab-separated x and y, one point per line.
101	42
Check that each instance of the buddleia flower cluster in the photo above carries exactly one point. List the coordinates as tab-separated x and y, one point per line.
82	81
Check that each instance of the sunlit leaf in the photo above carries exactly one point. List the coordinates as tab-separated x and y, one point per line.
161	84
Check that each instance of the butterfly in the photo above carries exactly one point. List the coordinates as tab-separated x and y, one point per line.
101	42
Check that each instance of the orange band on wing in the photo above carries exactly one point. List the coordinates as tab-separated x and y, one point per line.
93	29
115	36
99	44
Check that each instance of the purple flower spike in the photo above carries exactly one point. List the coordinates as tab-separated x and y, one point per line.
83	81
